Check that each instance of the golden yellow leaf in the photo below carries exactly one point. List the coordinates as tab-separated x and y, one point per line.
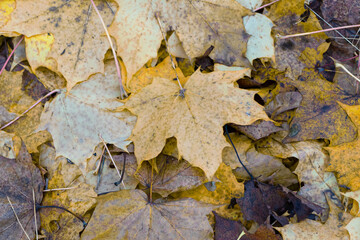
195	120
79	46
145	75
226	189
6	8
127	214
344	158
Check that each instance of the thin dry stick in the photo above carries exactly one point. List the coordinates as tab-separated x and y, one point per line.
58	189
264	6
37	102
332	27
17	218
96	171
12	52
36	227
319	31
182	90
123	93
108	151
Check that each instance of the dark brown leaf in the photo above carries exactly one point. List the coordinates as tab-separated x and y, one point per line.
263	200
18	179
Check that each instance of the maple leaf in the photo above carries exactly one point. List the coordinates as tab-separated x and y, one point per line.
128	213
344	158
75	119
19	177
218	24
6	7
78	47
196	121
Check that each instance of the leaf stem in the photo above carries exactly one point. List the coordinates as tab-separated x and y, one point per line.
122	173
36	103
123	93
228	135
182	90
12	52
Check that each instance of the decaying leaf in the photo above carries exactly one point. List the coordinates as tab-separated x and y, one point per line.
6	8
128	214
6	145
344	158
195	120
229	229
19	91
79	46
77	119
173	175
221	191
261	201
266	167
19	178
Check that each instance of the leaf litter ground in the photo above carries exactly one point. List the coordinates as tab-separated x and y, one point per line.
289	122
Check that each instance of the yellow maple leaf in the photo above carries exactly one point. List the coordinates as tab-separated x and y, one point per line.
195	120
344	158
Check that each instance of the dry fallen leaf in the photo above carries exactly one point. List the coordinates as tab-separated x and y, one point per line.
75	119
173	175
79	46
221	191
262	200
344	158
19	177
196	121
128	214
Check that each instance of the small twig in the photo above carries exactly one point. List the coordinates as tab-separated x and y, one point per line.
264	6
18	220
228	135
123	93
335	29
58	189
36	227
182	90
12	52
319	31
108	151
37	102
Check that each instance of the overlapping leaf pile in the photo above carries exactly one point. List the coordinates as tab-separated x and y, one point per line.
294	125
